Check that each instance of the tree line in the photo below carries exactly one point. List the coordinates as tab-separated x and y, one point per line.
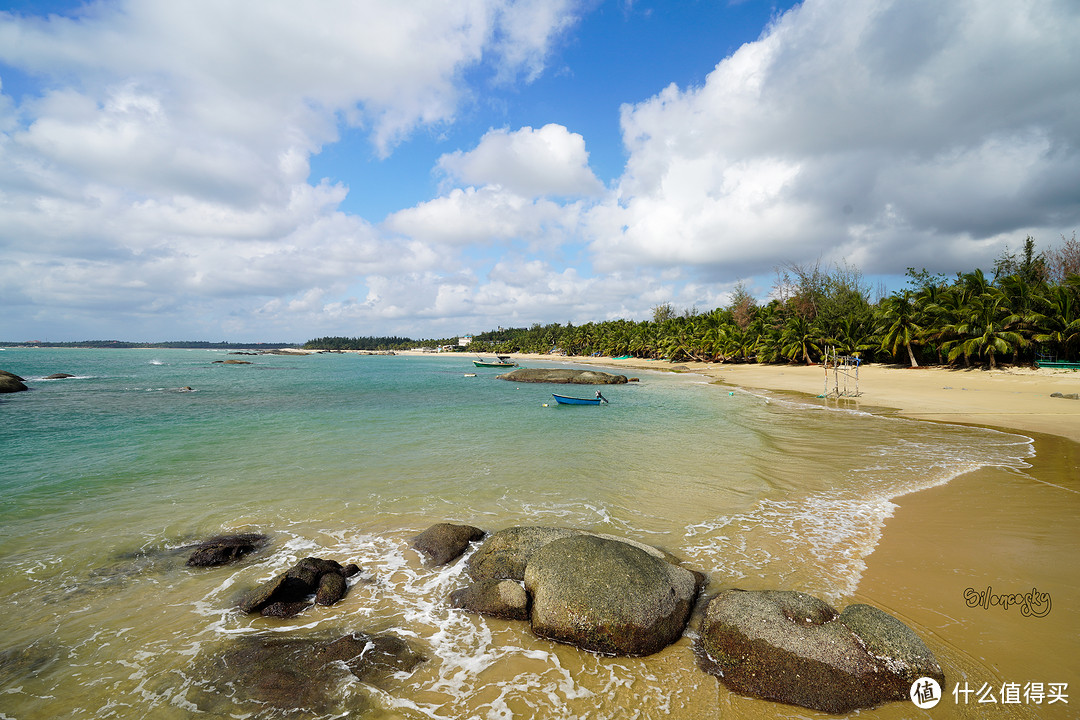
1028	309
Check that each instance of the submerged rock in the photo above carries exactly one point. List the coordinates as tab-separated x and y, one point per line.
58	376
443	542
306	674
794	648
224	549
608	596
562	376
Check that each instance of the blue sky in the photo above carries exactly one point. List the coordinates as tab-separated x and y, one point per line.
274	170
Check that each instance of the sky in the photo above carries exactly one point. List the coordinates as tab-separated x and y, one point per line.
277	171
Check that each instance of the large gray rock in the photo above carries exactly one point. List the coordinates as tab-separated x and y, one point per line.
562	376
794	648
608	596
444	542
505	553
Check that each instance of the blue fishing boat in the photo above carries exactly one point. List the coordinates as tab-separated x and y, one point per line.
566	400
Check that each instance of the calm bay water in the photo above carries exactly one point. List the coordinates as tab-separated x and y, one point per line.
348	457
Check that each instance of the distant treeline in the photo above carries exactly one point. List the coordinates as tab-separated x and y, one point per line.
368	343
1028	310
178	344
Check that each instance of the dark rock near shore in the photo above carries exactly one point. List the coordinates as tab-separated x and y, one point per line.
232	362
58	376
562	376
794	648
11	383
443	542
290	591
332	587
5	373
305	674
225	549
608	596
504	599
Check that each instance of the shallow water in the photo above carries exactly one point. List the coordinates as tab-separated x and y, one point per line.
347	457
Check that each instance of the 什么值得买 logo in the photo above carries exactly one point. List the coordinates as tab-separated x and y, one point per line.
1031	604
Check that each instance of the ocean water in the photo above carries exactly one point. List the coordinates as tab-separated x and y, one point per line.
104	475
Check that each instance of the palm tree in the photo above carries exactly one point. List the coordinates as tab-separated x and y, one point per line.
899	325
798	339
1060	324
984	332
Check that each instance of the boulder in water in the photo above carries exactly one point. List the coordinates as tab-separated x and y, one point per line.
562	376
443	542
608	596
504	599
225	549
794	648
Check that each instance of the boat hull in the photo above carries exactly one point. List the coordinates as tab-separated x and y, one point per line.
480	363
564	400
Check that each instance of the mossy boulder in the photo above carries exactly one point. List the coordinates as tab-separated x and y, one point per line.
794	648
608	596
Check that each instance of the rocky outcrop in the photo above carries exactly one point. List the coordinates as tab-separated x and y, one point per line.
289	593
224	549
10	382
299	674
607	596
794	648
58	376
232	362
562	376
504	599
444	542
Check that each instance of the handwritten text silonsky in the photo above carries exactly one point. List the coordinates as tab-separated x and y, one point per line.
1031	604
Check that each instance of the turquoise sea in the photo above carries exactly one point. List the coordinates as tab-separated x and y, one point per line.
348	457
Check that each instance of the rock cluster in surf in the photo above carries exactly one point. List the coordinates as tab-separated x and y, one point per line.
614	596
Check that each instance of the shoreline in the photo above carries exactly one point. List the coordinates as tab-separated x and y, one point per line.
1010	399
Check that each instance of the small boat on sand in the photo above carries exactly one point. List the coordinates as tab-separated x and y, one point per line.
567	400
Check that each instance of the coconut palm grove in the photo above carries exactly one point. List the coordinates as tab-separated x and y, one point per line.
1027	310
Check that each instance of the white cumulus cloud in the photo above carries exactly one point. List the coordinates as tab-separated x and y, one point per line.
889	133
